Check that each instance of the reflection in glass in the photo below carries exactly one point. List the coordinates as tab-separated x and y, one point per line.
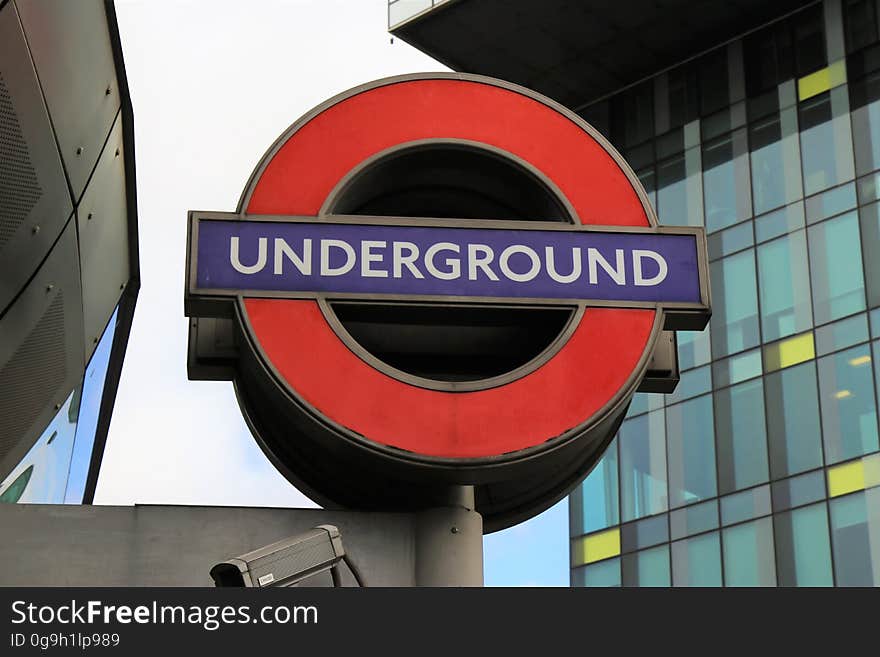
803	552
776	179
855	533
748	554
734	304
742	444
693	519
726	181
697	561
680	190
836	268
647	568
793	420
644	533
89	411
784	284
748	504
849	412
643	489
48	461
691	451
826	142
693	348
799	490
593	504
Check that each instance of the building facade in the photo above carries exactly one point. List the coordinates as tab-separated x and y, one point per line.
68	244
763	468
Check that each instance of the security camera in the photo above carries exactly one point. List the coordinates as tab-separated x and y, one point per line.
286	562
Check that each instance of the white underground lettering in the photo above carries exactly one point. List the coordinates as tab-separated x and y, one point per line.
519	263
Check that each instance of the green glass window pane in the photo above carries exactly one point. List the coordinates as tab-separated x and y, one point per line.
726	187
779	222
739	431
849	412
841	334
749	559
594	504
601	574
697	561
836	268
680	190
793	428
647	568
798	491
691	451
693	348
694	519
746	505
776	179
803	551
855	537
784	283
869	220
734	304
643	490
826	141
741	367
644	533
830	203
865	96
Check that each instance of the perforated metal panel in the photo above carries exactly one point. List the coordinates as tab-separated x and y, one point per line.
34	199
41	358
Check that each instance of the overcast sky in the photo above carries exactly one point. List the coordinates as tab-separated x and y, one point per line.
213	83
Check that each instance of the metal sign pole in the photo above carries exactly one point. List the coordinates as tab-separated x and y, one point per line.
449	542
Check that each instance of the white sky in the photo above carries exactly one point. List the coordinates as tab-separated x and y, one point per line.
213	83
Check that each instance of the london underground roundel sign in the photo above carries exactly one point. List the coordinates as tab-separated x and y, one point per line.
439	280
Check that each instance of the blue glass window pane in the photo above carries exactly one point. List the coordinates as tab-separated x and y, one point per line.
601	574
793	428
647	568
742	443
694	519
692	383
827	204
643	490
798	491
849	412
748	554
691	451
726	181
642	402
865	95
729	241
784	282
697	561
41	476
680	190
869	219
776	179
836	268
746	505
89	411
593	504
826	141
841	334
734	304
735	369
855	532
778	223
803	551
644	533
693	348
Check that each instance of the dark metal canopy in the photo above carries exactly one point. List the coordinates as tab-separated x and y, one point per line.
576	51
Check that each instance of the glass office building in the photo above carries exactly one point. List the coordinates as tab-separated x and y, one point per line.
763	468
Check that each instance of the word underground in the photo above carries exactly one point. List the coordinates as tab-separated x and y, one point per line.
448	261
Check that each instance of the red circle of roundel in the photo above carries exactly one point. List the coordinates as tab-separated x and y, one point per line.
584	375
